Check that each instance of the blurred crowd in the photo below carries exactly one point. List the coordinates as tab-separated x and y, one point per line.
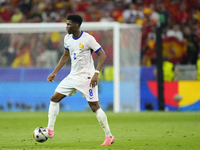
179	19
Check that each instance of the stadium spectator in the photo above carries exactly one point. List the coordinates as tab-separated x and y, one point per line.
6	12
154	15
40	49
52	49
168	70
165	16
129	15
198	67
174	31
17	16
149	51
105	16
138	20
192	46
4	54
116	13
35	15
25	6
109	73
184	16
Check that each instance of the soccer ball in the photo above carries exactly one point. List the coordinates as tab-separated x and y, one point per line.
41	134
178	97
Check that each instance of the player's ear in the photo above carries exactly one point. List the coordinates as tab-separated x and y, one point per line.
76	25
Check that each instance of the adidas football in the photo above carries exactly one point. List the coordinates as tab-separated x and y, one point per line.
40	134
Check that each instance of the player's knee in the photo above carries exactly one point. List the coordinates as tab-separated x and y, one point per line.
57	97
94	107
54	99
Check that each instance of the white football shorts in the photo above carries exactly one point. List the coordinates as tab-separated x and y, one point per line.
70	85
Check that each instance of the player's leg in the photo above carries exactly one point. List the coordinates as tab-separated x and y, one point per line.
53	111
91	94
102	118
65	88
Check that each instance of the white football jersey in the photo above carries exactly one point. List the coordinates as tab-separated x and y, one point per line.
80	50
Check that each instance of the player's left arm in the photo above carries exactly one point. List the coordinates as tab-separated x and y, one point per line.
101	59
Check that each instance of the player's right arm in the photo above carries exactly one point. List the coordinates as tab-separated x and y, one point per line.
63	60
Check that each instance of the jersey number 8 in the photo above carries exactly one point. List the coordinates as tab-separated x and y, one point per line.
90	92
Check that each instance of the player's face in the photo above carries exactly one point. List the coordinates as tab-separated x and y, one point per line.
71	27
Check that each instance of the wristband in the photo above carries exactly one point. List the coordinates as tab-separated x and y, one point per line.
97	71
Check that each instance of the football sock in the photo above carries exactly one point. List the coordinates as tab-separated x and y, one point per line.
102	118
53	112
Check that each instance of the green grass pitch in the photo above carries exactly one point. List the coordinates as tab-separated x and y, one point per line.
81	130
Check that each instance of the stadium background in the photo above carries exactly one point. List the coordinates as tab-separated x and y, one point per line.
25	64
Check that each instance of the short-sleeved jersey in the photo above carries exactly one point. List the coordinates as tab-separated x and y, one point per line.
80	50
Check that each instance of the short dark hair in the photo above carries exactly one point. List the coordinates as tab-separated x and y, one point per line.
75	18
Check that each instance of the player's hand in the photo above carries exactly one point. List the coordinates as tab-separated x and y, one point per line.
51	77
94	80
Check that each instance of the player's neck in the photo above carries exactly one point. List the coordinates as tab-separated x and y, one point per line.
77	34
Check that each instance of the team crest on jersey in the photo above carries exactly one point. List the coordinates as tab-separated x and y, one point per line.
81	46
